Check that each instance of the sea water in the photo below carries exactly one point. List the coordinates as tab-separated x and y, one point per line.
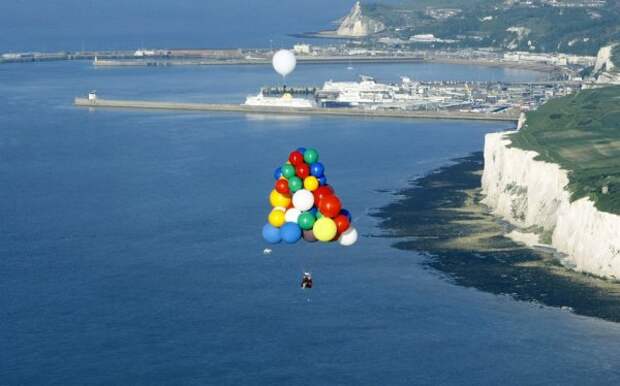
130	247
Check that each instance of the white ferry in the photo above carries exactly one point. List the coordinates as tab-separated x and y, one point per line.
286	100
368	94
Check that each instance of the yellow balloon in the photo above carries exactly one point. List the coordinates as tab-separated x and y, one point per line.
325	229
278	199
311	183
276	218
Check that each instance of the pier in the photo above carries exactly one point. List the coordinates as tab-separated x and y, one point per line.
345	112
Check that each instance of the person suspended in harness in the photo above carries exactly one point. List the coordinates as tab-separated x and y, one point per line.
306	282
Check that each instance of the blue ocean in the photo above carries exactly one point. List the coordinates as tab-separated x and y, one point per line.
130	245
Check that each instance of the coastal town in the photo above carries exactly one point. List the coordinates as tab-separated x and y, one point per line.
564	74
364	39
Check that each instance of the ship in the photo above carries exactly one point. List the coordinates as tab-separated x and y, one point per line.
286	100
368	93
354	94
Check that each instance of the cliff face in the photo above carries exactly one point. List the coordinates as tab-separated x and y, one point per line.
530	193
605	70
355	24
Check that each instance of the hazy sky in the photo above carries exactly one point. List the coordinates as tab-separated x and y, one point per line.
70	24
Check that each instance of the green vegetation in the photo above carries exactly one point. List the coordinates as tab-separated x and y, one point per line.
485	23
581	133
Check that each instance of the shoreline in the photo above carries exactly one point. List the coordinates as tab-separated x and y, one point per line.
440	215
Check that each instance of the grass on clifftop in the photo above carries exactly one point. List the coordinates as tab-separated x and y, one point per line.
581	133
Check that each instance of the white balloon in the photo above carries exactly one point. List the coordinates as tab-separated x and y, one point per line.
292	215
284	62
303	200
348	237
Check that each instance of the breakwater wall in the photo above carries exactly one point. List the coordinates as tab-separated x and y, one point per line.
163	62
347	112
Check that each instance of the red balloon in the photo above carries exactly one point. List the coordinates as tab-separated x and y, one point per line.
302	170
330	206
342	223
282	186
296	158
322	192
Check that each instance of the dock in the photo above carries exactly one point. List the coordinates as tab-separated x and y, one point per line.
344	112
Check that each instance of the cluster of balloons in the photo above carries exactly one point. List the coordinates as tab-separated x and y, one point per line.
305	206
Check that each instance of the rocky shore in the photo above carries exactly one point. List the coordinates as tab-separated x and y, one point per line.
442	216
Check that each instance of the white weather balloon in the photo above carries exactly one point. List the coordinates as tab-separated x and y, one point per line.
292	215
303	200
348	237
284	62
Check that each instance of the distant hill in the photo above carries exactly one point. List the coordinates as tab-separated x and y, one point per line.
572	26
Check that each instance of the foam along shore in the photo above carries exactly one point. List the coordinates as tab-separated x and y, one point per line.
350	112
531	193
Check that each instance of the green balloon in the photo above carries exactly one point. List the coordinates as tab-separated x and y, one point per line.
306	220
288	171
311	156
295	183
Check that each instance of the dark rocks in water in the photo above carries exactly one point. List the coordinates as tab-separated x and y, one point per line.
441	215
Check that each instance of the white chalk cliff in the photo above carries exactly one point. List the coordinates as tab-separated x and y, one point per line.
605	70
355	24
531	193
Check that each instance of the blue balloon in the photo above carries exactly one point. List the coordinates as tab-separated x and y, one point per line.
346	213
290	232
323	180
302	150
271	234
313	210
277	173
317	169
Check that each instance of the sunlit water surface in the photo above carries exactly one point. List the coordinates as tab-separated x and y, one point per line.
130	248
